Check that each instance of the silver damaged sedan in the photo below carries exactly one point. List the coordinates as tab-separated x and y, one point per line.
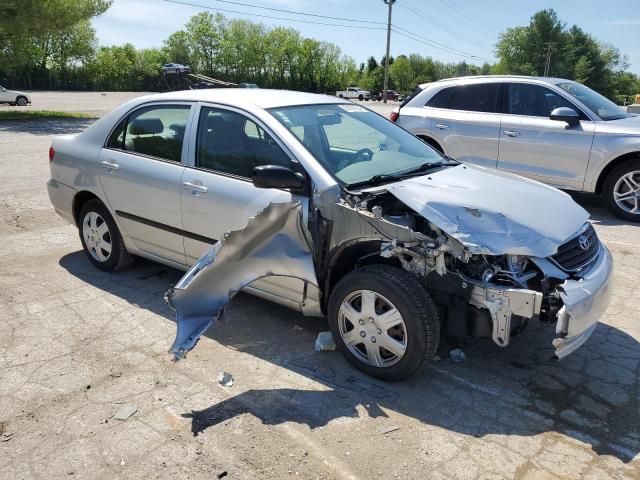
325	207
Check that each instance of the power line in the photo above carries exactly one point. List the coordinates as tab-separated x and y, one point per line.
207	7
440	25
433	43
474	18
469	22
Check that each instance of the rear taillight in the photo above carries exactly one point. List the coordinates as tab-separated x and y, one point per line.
52	152
394	116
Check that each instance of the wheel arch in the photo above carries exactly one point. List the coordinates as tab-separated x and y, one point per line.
349	256
616	162
432	142
80	199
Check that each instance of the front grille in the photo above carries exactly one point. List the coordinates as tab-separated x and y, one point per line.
572	256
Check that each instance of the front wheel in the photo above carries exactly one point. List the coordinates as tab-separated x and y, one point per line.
383	321
101	238
21	101
622	190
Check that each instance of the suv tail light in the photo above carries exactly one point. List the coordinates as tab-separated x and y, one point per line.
52	152
394	116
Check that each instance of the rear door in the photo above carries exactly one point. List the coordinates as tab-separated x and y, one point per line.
464	119
141	172
537	147
217	194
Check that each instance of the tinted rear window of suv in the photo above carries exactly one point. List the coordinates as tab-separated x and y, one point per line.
471	98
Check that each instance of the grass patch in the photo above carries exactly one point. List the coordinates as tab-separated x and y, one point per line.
6	115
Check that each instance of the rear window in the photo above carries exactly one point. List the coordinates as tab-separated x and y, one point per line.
410	97
470	98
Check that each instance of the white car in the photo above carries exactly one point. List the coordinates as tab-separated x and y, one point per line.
14	97
325	207
355	93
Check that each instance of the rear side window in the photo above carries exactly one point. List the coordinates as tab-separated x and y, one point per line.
156	131
440	99
474	98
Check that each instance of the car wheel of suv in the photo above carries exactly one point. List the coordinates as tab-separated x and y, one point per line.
383	321
101	238
622	190
21	101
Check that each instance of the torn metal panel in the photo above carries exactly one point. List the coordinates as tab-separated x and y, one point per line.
274	243
521	217
585	301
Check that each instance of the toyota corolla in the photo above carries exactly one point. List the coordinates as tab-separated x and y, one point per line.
321	205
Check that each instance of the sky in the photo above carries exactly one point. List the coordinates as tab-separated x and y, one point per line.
447	30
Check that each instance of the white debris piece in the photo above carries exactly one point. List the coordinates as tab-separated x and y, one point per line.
457	355
324	341
125	411
225	379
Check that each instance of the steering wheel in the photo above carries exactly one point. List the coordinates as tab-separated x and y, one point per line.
362	155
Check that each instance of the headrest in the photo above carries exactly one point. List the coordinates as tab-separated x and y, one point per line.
146	126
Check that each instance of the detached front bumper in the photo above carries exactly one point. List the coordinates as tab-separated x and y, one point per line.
585	301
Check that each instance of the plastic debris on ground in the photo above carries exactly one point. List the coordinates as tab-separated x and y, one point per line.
324	342
457	355
125	411
225	379
388	429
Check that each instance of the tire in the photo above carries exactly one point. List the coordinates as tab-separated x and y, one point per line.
95	238
419	332
21	101
361	97
621	190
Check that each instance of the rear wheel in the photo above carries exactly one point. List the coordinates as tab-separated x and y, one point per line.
360	97
383	321
101	238
622	190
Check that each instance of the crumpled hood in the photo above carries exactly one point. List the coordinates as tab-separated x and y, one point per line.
493	212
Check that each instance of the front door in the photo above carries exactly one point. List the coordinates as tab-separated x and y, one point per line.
534	146
141	173
217	193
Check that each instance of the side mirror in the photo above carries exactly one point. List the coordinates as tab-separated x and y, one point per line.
275	176
565	114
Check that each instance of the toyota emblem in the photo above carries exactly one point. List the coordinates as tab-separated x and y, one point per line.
584	243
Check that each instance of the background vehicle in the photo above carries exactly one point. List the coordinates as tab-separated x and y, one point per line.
419	247
354	92
247	85
391	95
170	68
14	97
552	130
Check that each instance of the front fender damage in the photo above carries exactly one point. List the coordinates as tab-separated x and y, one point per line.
274	243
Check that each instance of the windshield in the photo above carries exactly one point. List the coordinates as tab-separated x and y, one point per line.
353	143
605	108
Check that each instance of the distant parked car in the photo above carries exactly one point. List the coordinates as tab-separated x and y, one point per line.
14	97
552	130
247	85
171	68
391	95
354	92
205	85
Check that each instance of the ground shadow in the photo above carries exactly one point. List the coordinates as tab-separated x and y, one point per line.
46	126
591	396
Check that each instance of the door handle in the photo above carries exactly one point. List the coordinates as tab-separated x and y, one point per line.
442	126
109	165
195	187
511	133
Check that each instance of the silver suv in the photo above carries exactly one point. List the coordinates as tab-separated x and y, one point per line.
548	129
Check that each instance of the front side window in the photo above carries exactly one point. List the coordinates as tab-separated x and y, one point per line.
535	101
470	98
156	131
229	142
603	107
354	144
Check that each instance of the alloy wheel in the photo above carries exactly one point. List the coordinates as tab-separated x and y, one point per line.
372	328
626	192
97	237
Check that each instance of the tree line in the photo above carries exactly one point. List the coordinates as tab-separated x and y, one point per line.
37	54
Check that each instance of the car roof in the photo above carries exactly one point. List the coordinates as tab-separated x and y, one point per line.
492	78
260	97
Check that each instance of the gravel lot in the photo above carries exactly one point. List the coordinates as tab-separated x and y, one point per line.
76	345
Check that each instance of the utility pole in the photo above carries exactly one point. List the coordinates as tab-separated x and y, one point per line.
386	58
549	46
